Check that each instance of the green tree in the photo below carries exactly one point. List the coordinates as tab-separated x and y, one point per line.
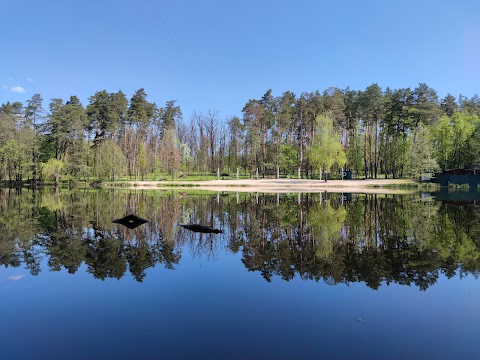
281	134
469	106
398	122
15	108
34	111
171	157
65	130
170	115
17	154
252	120
454	140
111	161
288	158
142	165
326	150
371	106
425	107
354	154
34	115
140	110
105	112
53	170
140	116
8	128
235	129
422	160
449	105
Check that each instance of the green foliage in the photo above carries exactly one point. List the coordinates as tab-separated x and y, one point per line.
65	125
140	111
454	140
326	150
449	105
18	154
425	108
79	159
288	158
169	116
379	132
326	223
142	162
171	158
110	161
53	170
186	154
421	160
105	112
34	111
355	159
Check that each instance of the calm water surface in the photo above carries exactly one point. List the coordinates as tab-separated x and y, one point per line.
300	276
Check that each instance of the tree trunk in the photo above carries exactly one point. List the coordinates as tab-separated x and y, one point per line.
375	159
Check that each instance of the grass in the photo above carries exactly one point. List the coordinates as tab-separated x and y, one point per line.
411	185
119	184
458	186
174	184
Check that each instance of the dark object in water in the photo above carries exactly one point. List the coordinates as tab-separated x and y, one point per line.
131	221
201	228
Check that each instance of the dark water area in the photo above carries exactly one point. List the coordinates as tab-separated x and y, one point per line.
292	276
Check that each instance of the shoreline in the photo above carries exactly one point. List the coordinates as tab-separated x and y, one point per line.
279	185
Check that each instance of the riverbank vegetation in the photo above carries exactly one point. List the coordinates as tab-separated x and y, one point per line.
389	133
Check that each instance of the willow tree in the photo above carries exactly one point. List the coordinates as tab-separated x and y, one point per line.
53	169
325	150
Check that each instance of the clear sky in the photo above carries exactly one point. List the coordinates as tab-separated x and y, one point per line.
217	54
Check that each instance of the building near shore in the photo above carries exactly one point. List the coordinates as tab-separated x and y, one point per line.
468	175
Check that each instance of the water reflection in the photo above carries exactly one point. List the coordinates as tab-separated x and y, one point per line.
369	238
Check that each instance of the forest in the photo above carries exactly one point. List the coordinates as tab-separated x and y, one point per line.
389	133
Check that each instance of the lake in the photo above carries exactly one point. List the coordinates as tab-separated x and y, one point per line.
291	276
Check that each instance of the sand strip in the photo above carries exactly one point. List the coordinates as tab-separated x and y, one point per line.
383	186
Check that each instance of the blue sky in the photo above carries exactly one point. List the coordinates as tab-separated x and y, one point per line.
216	54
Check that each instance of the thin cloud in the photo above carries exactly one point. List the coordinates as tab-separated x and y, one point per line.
15	277
18	90
29	79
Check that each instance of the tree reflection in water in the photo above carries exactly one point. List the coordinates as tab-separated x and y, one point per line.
370	238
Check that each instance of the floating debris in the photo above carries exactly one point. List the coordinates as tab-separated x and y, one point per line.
201	228
130	221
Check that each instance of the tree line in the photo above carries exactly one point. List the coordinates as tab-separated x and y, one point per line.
373	132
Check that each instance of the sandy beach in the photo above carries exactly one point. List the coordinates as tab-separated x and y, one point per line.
283	185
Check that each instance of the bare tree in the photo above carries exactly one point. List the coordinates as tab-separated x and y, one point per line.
211	124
